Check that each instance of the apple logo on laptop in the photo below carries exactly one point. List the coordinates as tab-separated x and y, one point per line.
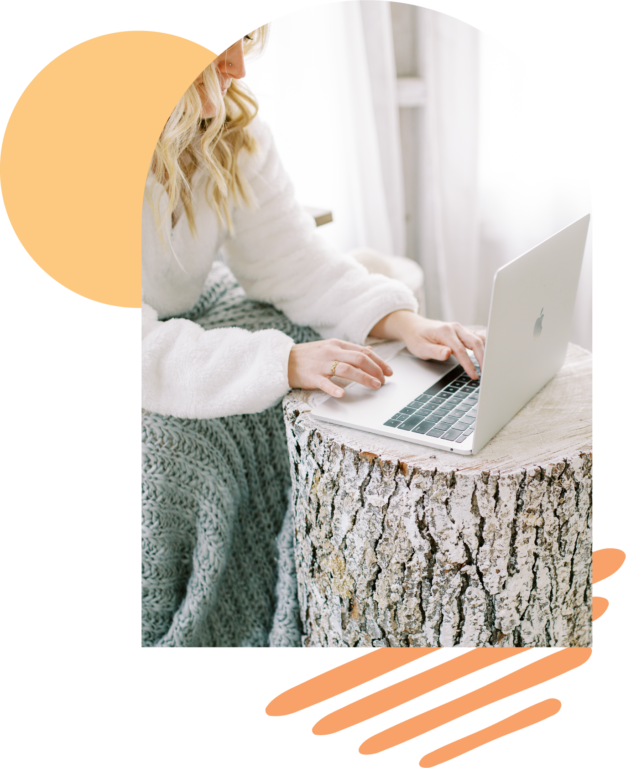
538	326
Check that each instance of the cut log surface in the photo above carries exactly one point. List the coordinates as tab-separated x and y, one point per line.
402	545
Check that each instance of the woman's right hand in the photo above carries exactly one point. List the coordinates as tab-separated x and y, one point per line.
311	366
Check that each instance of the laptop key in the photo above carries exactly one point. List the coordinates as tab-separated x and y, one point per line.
411	422
445	394
461	438
444	381
422	399
422	428
393	423
436	432
408	411
452	434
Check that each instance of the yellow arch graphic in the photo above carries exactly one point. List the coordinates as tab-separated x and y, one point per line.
76	154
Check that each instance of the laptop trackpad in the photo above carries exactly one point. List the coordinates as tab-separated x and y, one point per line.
361	406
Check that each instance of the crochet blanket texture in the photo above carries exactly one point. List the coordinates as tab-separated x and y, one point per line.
217	538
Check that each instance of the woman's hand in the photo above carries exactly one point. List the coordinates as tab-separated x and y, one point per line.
311	366
432	339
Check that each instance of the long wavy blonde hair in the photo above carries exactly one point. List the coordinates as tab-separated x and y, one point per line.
190	142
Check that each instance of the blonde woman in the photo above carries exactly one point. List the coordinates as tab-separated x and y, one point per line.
220	352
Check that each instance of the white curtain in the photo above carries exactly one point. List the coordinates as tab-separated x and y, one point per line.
379	47
326	86
532	173
502	170
448	217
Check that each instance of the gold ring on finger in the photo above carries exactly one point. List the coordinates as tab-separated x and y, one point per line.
332	370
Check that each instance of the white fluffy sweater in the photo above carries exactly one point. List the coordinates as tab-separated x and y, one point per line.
277	257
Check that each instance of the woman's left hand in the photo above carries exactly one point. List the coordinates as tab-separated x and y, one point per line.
433	339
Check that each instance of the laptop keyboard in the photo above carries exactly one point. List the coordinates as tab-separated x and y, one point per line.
447	410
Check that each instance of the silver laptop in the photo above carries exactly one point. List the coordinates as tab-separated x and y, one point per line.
437	404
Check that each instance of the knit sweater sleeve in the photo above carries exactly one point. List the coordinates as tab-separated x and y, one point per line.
192	373
278	257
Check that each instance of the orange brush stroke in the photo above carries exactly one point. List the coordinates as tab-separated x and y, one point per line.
415	686
523	719
521	680
343	678
609	609
609	566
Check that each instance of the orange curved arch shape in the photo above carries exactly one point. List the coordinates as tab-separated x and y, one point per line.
599	606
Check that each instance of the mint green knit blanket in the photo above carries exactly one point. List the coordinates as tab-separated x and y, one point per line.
217	539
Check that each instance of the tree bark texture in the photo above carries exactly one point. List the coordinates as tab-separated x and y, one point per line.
401	545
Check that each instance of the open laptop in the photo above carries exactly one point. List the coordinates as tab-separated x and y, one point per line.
437	404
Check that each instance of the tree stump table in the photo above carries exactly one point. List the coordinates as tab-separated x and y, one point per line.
401	545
